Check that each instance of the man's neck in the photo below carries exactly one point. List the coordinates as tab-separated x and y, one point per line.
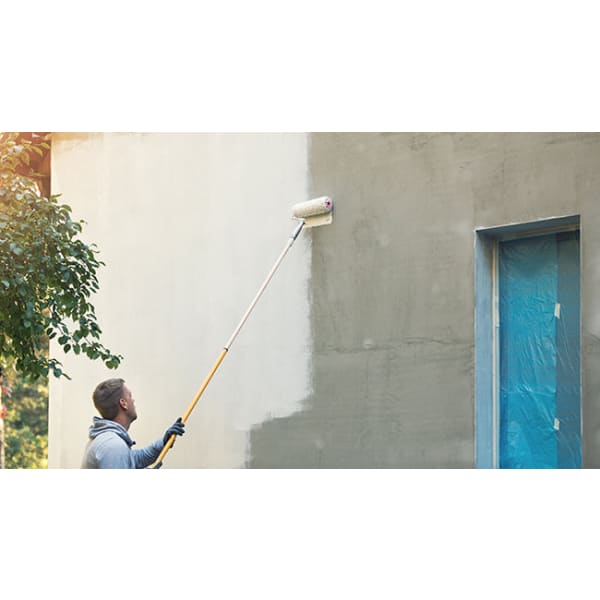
122	420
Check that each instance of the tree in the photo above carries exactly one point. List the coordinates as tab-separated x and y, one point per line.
47	274
26	431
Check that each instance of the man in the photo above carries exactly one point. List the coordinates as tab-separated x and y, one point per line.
110	446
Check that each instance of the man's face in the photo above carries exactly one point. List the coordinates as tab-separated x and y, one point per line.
128	397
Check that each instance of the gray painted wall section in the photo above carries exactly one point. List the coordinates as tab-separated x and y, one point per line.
393	293
484	351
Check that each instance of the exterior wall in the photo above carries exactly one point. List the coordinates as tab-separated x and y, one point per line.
393	290
361	354
188	226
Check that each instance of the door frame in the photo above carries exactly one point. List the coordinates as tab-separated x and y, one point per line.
486	335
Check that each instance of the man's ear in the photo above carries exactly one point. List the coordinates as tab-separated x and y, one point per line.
123	403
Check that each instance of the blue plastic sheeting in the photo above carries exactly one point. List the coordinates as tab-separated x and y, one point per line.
540	424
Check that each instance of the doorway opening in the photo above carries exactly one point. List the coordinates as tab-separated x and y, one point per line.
527	346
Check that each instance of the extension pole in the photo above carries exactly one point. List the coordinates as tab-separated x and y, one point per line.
158	462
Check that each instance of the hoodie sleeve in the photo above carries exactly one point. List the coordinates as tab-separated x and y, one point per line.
144	457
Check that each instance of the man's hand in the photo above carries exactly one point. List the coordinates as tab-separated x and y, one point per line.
178	428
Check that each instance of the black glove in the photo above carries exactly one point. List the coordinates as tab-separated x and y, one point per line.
178	428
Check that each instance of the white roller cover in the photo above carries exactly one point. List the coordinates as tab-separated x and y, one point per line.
314	212
312	208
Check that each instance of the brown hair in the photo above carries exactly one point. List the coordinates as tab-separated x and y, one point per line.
106	397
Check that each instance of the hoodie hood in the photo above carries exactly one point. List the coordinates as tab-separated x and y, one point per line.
100	426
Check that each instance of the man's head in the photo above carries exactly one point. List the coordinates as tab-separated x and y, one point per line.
114	401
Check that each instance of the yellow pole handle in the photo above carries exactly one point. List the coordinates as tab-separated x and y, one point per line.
190	408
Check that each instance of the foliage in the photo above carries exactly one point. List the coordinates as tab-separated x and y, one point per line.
26	425
47	274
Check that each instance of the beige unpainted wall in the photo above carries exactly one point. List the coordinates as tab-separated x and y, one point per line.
188	226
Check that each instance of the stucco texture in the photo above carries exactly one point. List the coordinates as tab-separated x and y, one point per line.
362	353
393	290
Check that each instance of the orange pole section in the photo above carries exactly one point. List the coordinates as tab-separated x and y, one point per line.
190	408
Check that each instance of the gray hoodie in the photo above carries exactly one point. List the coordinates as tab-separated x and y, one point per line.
110	448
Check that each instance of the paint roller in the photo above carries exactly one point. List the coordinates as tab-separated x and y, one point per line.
312	213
